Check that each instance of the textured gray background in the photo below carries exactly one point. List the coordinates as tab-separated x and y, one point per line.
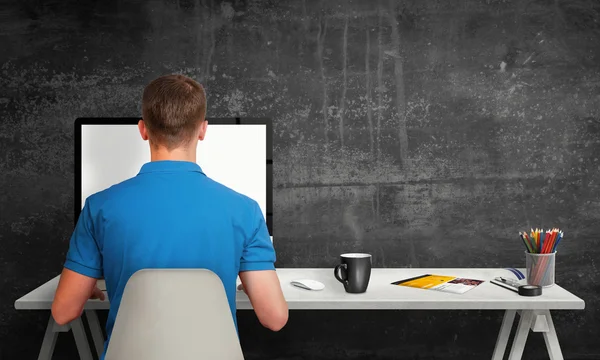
397	131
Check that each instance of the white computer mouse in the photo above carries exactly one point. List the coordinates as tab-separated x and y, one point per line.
308	284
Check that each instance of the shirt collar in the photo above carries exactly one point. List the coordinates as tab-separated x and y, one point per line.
170	166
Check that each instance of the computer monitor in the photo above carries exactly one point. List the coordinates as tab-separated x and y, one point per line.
236	152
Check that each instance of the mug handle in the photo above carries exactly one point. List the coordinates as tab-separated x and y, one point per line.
338	274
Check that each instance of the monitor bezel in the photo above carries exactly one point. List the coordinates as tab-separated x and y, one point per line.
80	122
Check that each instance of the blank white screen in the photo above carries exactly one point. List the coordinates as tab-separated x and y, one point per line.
233	155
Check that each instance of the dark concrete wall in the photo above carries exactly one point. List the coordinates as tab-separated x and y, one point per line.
425	132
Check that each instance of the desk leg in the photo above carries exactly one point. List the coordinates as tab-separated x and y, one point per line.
49	341
538	321
505	329
551	338
516	352
96	331
83	346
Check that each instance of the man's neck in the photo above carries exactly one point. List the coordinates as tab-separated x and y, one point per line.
179	154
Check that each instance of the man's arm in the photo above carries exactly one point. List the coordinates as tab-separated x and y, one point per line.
73	292
259	279
264	291
83	266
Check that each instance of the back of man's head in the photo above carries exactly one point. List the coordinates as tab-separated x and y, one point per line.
173	108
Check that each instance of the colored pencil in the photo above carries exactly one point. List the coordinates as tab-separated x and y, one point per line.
560	236
522	236
543	269
543	239
546	242
553	236
528	240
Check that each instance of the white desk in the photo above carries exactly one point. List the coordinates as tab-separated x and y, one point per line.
534	311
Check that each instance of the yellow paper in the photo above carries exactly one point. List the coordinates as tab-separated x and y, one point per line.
429	281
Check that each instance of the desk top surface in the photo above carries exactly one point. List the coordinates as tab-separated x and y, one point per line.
380	295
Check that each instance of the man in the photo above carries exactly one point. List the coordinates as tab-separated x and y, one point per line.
171	215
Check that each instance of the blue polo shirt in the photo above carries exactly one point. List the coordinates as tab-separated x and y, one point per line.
171	215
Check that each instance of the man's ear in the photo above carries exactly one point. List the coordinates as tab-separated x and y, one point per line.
143	130
203	128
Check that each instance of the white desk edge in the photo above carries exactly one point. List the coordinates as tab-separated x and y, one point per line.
380	295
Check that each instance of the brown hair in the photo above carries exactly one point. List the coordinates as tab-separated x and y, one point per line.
173	107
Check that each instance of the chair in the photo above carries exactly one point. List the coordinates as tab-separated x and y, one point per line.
174	314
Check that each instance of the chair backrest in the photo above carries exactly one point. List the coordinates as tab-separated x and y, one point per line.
175	314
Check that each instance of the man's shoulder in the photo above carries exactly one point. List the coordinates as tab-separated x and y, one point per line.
228	194
112	192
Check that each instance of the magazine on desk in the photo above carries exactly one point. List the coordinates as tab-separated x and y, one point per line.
450	284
